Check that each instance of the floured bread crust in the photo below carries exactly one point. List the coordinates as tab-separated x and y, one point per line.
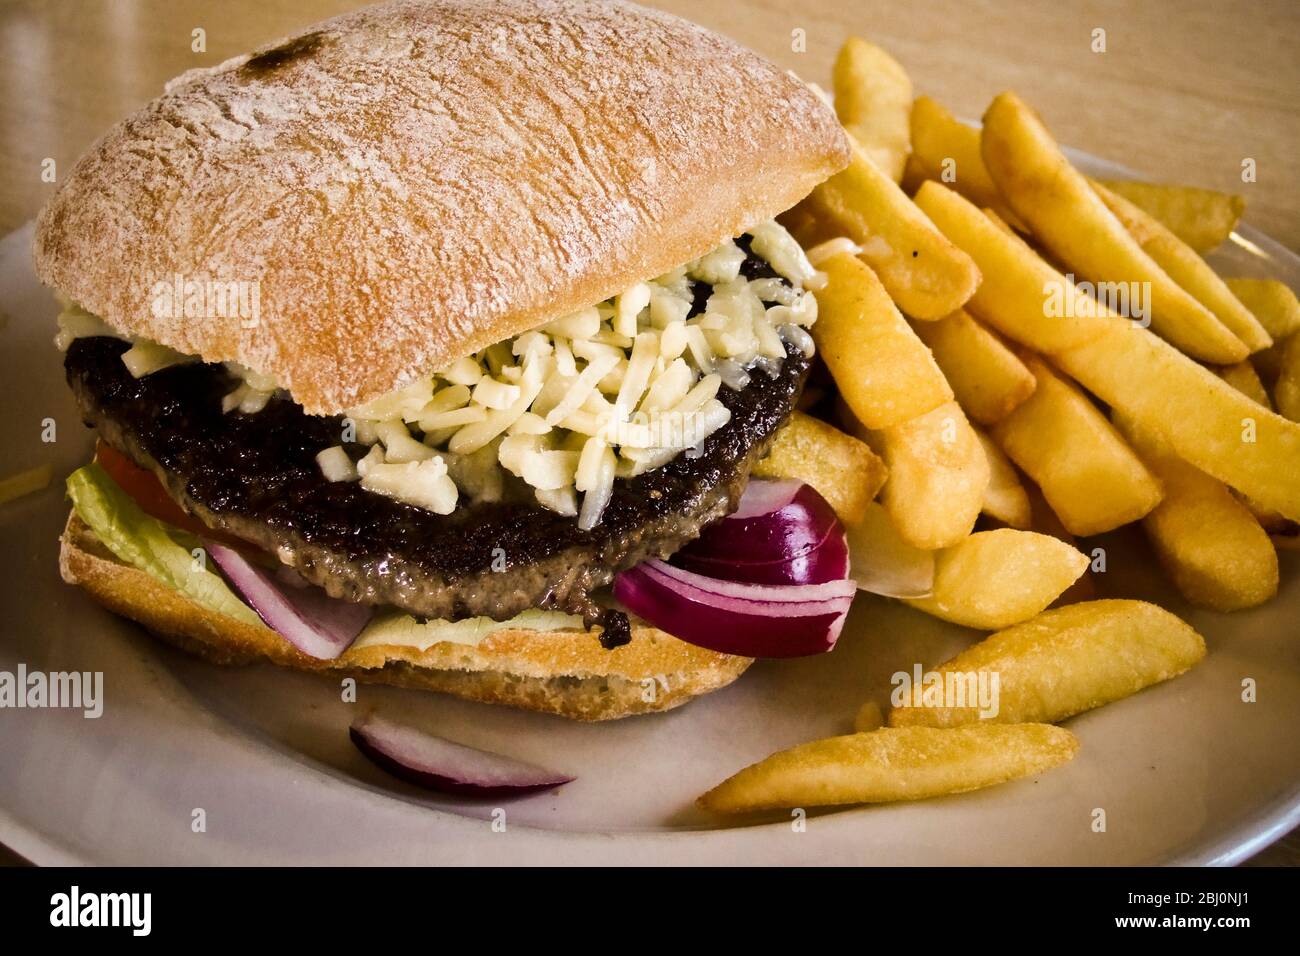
414	181
558	672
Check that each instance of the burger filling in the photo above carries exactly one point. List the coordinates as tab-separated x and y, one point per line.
522	477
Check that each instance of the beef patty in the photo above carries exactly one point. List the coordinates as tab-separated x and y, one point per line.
255	477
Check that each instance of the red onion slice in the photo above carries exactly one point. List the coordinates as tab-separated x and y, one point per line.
770	580
764	497
438	764
318	625
738	606
725	590
829	561
729	625
777	521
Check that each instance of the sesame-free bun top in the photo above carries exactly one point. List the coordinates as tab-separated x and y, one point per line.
415	181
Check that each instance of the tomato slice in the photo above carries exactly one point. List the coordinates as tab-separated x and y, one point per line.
147	491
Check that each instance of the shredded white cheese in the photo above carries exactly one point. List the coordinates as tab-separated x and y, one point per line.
609	391
76	323
335	464
253	392
145	358
425	484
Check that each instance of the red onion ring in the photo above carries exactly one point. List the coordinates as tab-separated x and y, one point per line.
315	623
766	624
726	590
763	497
776	522
770	580
437	764
828	561
784	532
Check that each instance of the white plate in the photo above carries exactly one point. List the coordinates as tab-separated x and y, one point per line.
1185	771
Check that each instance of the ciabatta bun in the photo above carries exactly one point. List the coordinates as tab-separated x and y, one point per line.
557	672
415	181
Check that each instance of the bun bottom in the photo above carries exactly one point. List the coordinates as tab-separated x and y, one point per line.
566	673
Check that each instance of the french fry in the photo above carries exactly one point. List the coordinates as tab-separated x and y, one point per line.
1182	264
948	151
869	718
801	222
1209	423
995	579
1044	520
1072	222
913	175
873	97
1001	223
25	483
1245	379
843	418
884	372
938	475
1272	302
1061	663
1006	499
1091	478
1208	542
986	376
1268	363
923	272
891	764
1286	390
844	470
1202	218
1008	266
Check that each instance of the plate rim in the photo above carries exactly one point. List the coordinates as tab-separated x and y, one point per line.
1247	837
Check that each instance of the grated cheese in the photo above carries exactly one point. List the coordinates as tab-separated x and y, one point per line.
335	464
145	358
617	389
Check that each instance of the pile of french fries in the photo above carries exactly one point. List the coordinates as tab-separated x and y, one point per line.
990	400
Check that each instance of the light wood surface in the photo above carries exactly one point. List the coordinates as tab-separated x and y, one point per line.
1184	92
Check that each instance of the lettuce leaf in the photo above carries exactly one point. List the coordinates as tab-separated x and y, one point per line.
165	553
142	541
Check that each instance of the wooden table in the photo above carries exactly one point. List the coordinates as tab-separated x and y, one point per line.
1185	91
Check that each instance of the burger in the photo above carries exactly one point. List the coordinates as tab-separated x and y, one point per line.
403	337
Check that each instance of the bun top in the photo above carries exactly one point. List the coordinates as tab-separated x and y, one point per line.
400	186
